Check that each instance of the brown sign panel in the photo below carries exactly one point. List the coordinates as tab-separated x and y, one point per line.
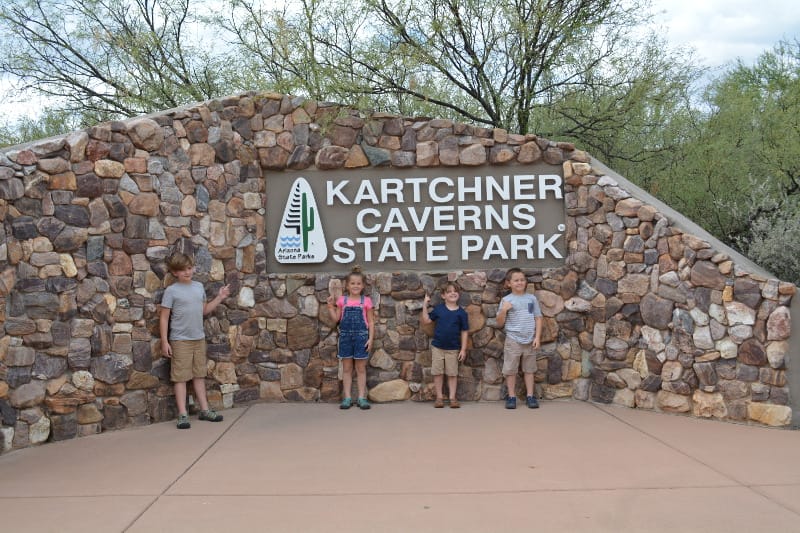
438	219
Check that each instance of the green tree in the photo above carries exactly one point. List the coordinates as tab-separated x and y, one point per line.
529	66
110	58
738	172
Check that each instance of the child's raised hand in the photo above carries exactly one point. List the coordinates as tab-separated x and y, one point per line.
426	300
224	292
506	306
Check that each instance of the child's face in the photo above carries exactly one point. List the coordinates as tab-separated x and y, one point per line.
450	295
185	275
355	285
517	283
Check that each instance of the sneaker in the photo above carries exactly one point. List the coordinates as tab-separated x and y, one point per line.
532	402
183	422
363	404
210	415
346	403
511	402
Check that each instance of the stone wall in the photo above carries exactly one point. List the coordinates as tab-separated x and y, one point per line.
642	314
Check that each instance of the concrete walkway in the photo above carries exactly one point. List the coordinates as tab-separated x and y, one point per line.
570	466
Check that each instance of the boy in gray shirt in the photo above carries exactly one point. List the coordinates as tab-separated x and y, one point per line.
521	318
181	314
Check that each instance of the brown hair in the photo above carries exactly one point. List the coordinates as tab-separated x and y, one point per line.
179	261
451	284
511	272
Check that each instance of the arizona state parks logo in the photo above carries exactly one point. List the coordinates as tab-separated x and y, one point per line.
301	238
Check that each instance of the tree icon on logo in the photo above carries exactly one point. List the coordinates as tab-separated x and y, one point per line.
300	216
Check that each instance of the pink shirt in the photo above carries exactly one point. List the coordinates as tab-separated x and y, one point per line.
355	302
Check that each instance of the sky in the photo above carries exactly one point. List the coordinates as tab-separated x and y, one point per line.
720	31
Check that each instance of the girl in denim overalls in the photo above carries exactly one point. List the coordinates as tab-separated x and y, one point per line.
356	318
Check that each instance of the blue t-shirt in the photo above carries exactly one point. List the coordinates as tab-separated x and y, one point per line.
449	325
521	319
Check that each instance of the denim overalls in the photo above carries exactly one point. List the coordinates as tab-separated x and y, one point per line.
353	332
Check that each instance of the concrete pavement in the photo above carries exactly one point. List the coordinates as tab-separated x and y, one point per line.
569	466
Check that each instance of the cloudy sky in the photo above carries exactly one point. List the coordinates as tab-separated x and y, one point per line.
720	31
725	30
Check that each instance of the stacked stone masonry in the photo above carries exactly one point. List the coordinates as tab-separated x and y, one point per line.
641	314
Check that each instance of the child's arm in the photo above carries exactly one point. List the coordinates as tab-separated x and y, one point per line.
462	354
332	311
537	338
163	327
370	327
426	319
209	306
505	307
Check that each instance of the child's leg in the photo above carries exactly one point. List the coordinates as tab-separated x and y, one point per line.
200	392
529	383
511	385
361	374
180	396
347	376
438	383
452	383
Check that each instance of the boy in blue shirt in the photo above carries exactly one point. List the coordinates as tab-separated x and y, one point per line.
521	318
449	344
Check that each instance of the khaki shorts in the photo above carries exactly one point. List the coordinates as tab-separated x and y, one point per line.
444	362
513	352
188	360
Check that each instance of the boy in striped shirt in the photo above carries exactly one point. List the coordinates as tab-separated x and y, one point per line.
521	318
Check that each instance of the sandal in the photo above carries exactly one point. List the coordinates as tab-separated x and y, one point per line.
210	415
454	404
439	403
183	422
363	404
346	403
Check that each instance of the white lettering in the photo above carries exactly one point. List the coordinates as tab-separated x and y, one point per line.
362	227
463	190
501	218
433	193
337	192
469	213
366	192
441	216
520	244
343	246
523	217
495	247
395	221
367	242
548	245
524	187
470	243
419	223
392	187
549	182
437	244
492	186
390	250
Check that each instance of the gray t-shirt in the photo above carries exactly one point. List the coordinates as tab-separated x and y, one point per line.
521	319
186	302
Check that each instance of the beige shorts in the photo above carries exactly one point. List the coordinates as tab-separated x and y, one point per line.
513	352
188	360
444	362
